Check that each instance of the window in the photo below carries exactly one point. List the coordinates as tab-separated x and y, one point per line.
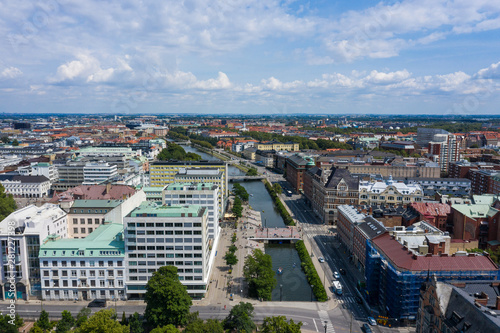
89	221
92	283
75	230
102	283
75	221
92	273
82	230
82	221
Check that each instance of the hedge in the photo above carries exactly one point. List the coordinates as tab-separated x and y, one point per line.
287	219
310	271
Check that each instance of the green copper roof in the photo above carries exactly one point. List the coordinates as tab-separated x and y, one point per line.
475	211
151	209
106	240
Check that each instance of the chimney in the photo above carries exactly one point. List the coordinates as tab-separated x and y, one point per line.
497	307
482	298
108	188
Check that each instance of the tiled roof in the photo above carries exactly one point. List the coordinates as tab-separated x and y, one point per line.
431	209
337	175
406	260
95	192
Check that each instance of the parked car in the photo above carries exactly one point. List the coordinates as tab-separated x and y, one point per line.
321	259
342	271
97	303
372	321
366	328
336	275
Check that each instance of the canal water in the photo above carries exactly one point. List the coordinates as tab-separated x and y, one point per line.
292	283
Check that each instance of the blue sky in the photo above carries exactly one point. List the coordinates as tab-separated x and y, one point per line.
250	56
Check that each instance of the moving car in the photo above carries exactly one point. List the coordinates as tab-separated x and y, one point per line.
372	321
97	303
342	271
321	259
366	328
336	275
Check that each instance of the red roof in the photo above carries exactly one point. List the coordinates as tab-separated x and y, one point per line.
405	260
431	209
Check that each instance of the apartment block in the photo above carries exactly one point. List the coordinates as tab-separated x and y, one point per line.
85	269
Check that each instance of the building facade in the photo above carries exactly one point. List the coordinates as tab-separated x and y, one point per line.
85	269
389	192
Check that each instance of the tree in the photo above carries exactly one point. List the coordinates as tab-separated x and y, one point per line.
66	323
5	139
232	248
240	318
135	323
176	152
277	188
15	143
237	207
259	274
252	172
102	322
198	326
36	329
165	329
167	299
124	320
280	325
231	259
7	203
6	324
82	316
43	321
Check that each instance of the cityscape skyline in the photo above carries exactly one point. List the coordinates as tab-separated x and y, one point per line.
250	57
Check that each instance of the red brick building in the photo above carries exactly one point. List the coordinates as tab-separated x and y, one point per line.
437	214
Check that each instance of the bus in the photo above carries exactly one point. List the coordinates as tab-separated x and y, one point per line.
289	193
337	287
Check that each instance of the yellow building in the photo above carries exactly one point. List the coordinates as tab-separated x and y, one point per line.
275	145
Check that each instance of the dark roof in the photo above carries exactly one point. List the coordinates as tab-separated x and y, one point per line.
371	227
297	160
337	175
315	171
405	260
25	179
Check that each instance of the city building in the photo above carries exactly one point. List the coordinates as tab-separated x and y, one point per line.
296	166
84	269
389	192
437	214
33	226
98	173
444	149
40	169
26	186
478	221
406	146
482	180
277	146
156	236
394	273
70	175
459	306
458	187
426	135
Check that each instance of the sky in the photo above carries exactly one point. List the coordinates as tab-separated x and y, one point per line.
250	57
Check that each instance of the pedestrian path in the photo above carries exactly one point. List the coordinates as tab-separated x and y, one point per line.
325	320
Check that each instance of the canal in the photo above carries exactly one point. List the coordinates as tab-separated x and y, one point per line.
292	283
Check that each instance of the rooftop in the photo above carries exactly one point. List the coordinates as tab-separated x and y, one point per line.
107	237
96	203
475	211
190	186
153	210
406	260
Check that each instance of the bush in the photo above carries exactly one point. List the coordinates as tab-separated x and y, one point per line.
310	271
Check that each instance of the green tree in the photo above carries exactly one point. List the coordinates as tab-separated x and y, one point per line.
277	188
135	323
36	329
233	248
43	321
231	259
6	324
280	325
176	152
82	316
15	143
237	207
165	329
66	323
102	322
241	192
167	299
5	139
124	320
198	326
252	172
259	274
7	203
240	318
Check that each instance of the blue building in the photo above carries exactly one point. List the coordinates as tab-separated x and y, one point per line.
394	274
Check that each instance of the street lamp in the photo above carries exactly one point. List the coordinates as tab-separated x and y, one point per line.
312	287
281	292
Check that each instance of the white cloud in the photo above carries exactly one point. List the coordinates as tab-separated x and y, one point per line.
492	72
221	82
11	73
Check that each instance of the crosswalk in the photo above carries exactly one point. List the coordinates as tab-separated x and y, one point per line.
323	315
346	299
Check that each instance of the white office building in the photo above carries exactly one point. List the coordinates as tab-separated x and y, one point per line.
32	226
99	172
157	236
